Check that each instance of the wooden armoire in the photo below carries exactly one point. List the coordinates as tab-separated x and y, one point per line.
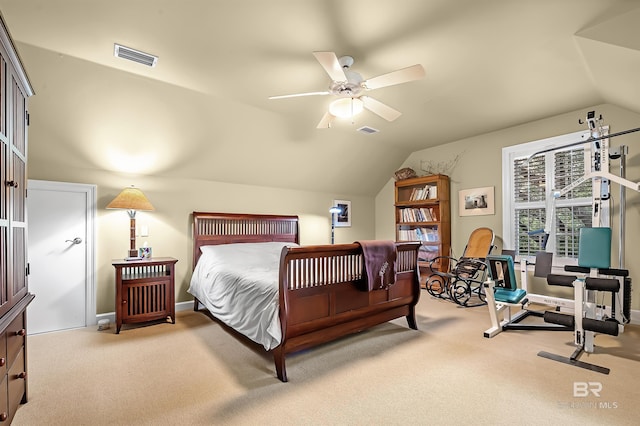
14	294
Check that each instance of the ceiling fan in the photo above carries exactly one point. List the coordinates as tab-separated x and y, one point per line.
349	87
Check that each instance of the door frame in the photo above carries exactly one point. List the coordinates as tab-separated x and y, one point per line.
90	247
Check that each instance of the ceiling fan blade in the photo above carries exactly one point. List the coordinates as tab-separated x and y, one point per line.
325	122
296	95
414	72
329	62
379	108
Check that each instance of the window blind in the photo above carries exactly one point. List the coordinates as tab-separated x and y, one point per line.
572	210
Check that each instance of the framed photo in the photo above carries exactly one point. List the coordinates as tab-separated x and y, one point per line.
476	201
144	252
344	217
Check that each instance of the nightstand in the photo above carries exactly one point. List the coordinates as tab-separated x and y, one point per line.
145	290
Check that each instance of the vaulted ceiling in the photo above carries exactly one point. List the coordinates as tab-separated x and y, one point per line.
203	112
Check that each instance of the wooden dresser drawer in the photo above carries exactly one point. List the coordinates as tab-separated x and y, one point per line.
3	354
13	382
16	383
4	401
15	337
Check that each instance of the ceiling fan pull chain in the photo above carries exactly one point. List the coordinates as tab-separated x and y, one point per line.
353	120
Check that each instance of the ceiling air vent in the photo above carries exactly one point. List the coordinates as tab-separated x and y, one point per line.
368	130
135	55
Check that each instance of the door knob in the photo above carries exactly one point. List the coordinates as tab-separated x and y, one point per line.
76	240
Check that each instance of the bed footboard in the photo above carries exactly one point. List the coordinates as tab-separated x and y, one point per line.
320	299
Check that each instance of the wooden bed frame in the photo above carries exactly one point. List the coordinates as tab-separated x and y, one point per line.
320	299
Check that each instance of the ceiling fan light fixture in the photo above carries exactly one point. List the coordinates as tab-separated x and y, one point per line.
348	87
346	107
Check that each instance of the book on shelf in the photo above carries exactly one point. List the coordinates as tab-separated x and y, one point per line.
428	214
422	214
422	193
427	253
429	235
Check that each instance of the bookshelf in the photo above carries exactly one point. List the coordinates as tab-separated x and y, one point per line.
423	213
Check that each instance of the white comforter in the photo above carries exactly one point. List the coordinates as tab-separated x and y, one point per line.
238	284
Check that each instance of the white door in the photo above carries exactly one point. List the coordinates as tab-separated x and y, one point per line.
60	220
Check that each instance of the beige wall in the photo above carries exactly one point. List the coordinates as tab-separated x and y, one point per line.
480	165
170	224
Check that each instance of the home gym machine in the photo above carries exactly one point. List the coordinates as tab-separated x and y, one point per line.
589	316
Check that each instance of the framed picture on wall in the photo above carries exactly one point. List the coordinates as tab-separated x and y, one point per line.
476	201
344	217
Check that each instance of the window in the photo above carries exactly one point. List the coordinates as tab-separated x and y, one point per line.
527	188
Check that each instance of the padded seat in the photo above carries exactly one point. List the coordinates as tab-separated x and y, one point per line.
505	295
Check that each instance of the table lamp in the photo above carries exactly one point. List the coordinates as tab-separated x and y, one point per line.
131	199
334	211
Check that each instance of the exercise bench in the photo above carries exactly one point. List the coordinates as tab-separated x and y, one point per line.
503	294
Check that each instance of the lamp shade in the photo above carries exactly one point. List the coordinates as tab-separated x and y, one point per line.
131	199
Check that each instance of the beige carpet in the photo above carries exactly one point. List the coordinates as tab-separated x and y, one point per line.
196	372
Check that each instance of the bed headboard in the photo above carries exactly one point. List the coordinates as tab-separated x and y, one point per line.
226	228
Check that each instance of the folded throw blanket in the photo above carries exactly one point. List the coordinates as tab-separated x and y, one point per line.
379	263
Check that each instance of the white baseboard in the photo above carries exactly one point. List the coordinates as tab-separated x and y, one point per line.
111	316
